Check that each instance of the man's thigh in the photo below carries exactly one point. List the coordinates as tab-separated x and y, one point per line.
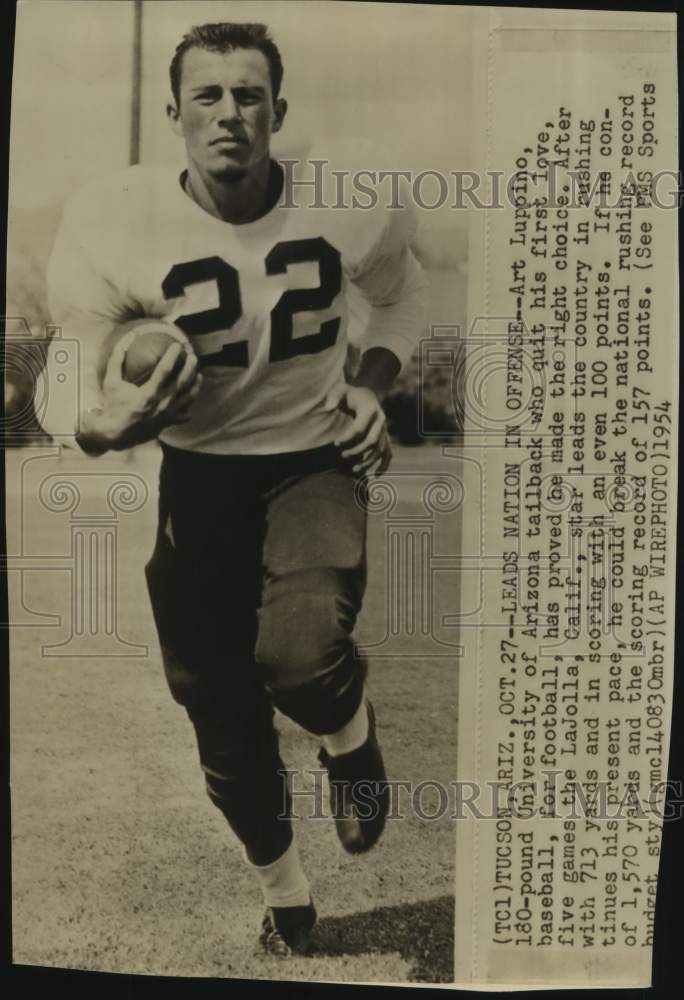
204	581
316	522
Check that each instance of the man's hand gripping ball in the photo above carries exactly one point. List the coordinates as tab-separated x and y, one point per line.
149	381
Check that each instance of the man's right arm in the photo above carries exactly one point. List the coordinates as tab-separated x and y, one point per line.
85	305
84	410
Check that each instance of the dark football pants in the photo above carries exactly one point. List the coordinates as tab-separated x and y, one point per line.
256	580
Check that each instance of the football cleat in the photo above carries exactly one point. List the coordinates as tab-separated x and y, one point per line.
285	930
359	793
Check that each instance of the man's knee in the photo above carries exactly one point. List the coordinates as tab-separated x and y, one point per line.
307	653
305	628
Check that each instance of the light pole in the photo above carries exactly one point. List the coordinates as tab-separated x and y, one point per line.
134	153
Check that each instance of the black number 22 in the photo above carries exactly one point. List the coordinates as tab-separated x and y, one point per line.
294	300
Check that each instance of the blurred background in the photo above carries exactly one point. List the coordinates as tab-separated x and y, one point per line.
90	90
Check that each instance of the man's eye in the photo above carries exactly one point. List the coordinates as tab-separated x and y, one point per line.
248	97
206	98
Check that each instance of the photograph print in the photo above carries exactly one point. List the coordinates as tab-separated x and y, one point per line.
236	304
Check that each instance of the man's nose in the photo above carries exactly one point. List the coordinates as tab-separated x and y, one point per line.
229	109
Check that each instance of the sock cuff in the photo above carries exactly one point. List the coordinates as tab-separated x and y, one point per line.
283	882
351	736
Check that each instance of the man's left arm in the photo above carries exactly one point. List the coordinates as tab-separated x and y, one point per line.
394	284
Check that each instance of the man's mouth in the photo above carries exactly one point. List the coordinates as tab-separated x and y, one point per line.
227	140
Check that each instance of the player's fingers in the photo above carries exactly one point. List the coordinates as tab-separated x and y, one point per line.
193	389
114	370
365	417
369	440
367	458
180	401
187	372
179	413
366	466
163	405
380	455
182	338
384	461
163	369
359	430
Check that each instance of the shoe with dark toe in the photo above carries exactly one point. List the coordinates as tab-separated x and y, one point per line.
359	793
286	930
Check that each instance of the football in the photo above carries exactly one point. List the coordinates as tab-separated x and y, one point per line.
153	338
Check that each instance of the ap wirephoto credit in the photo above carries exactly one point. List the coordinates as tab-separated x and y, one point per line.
341	426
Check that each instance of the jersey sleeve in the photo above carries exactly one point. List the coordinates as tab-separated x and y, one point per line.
394	285
85	304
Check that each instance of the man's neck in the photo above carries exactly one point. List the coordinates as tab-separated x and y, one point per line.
241	200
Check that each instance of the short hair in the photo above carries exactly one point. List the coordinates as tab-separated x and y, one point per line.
225	36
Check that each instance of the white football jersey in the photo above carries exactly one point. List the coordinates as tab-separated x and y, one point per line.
264	304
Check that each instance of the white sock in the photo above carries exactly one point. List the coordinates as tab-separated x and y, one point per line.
351	736
283	882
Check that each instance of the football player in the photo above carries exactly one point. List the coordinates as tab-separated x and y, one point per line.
258	570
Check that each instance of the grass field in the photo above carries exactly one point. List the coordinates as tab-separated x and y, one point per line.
120	862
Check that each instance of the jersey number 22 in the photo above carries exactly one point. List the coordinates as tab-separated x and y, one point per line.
294	300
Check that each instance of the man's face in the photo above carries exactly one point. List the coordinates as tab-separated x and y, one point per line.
226	111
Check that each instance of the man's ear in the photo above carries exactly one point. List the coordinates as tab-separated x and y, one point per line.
173	114
279	111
